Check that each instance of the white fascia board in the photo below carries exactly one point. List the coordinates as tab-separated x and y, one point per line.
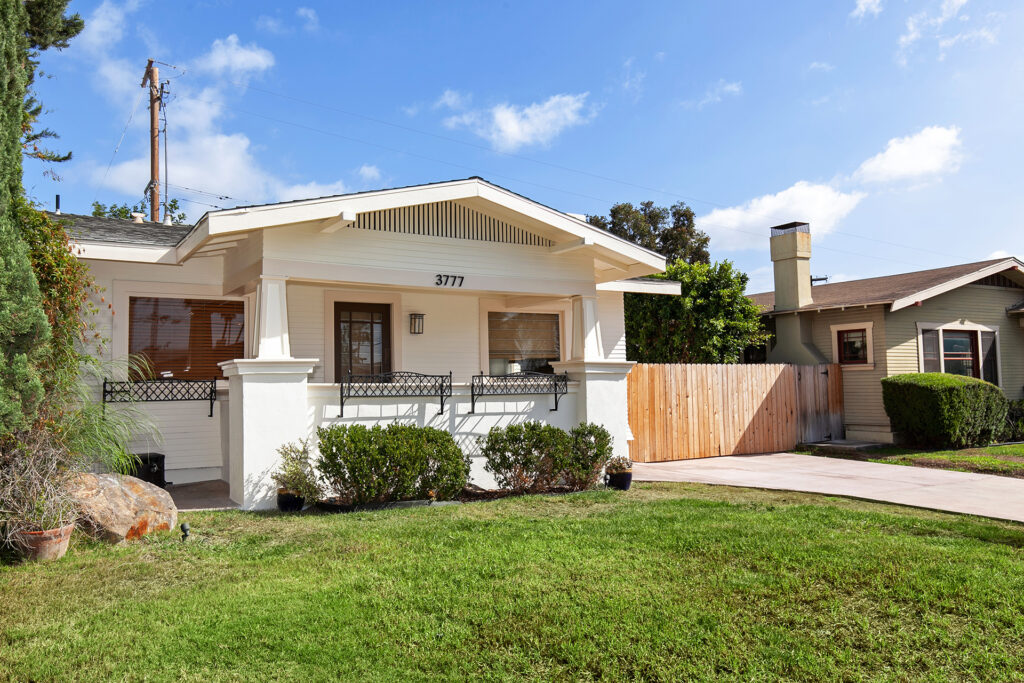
671	287
124	252
950	285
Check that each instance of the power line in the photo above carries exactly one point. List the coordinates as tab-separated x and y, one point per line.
131	115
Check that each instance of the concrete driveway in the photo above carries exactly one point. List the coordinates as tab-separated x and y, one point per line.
973	494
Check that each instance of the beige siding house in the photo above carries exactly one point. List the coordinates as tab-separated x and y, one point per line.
966	319
458	305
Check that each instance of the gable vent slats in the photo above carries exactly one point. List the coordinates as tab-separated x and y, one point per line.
451	220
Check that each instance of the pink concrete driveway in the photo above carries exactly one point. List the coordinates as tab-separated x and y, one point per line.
973	494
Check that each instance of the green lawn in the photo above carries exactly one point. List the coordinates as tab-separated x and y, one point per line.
1007	461
666	582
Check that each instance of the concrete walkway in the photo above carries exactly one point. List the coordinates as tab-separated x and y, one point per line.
974	494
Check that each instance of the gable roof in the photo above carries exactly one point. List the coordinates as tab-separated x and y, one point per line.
899	291
121	231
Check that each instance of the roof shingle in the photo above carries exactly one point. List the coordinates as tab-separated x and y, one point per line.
120	231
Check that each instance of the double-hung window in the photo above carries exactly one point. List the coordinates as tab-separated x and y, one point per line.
852	345
958	350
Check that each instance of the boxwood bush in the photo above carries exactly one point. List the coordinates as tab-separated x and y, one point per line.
532	457
399	462
944	411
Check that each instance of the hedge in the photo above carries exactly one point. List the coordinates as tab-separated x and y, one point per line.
399	462
532	457
944	411
1014	422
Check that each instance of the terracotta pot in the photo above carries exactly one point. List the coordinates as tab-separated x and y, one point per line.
289	501
42	546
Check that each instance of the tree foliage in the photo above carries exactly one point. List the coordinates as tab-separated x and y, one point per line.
124	211
712	321
670	231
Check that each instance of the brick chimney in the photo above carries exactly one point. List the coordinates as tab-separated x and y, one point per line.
791	256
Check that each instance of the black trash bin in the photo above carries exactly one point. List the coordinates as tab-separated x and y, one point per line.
150	467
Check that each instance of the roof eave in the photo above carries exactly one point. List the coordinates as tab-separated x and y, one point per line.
949	285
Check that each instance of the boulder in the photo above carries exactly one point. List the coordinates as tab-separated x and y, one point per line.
118	508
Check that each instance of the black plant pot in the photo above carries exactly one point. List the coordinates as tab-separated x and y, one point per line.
289	502
618	480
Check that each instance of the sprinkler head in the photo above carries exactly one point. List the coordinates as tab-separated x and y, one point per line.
185	529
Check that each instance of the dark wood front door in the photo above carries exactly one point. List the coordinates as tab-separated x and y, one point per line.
362	339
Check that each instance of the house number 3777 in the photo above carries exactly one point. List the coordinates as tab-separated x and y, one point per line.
442	280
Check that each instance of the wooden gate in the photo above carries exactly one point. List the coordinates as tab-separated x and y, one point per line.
678	412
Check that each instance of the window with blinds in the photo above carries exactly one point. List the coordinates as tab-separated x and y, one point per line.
522	342
185	338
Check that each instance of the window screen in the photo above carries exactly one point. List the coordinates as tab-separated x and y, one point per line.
930	343
522	342
186	338
989	363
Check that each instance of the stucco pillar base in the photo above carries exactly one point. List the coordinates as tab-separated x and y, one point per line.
268	408
602	397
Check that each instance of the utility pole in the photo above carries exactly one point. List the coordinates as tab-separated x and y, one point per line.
152	77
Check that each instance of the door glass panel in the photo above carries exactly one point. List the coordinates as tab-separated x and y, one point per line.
362	340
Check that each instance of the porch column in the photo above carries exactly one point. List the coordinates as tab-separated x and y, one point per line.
268	408
586	329
272	318
602	393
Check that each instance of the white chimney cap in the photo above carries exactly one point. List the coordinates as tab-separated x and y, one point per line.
167	219
138	217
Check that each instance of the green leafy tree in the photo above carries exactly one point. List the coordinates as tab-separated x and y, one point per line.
712	321
124	211
670	231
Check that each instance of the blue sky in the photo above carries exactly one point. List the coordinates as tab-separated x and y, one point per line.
893	126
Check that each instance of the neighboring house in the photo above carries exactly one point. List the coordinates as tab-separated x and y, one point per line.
966	320
285	306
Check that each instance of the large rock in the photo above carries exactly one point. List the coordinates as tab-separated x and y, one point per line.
117	508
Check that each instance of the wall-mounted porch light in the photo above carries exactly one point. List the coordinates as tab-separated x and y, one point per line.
416	323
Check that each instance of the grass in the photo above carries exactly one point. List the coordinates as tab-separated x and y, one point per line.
1006	461
665	582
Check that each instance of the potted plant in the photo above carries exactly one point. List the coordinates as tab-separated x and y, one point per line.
37	510
296	480
618	474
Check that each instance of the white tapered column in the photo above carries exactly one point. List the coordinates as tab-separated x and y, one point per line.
272	318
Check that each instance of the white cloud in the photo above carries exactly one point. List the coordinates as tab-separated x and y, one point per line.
283	193
980	36
311	22
925	24
509	127
740	227
633	79
820	66
229	56
452	99
716	93
369	173
999	253
271	25
105	26
866	7
933	151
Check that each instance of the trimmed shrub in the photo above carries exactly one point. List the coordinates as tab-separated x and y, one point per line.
399	462
527	457
533	457
591	448
944	411
1014	430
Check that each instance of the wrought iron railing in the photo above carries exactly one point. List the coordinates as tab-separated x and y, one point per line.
399	383
161	390
518	383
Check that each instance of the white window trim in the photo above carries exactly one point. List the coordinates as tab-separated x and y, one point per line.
498	305
869	327
962	326
124	290
332	296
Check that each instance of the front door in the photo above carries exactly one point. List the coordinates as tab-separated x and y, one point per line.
362	339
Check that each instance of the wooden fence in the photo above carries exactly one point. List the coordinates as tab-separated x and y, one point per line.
678	412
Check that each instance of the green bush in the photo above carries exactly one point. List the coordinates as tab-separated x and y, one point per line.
1014	430
591	449
944	411
533	457
399	462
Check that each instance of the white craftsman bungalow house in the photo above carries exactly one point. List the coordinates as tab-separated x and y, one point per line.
459	305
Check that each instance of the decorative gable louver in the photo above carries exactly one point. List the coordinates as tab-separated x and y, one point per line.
448	219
